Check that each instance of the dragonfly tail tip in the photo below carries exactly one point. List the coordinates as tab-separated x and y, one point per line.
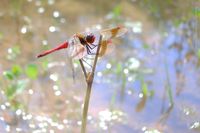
38	56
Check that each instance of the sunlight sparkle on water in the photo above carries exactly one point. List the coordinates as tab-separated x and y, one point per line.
44	42
30	91
53	64
52	28
7	128
51	2
10	50
129	92
54	77
51	131
186	111
58	93
134	63
18	112
44	130
99	74
55	87
130	78
105	115
103	125
79	123
56	14
108	65
65	121
31	125
3	107
195	125
41	10
24	118
42	125
99	27
24	30
152	131
114	117
62	20
126	71
89	117
7	104
2	92
39	118
1	118
140	95
54	124
29	116
144	128
75	65
137	27
18	129
67	101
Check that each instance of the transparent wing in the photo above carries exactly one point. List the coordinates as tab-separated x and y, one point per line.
76	49
107	35
113	32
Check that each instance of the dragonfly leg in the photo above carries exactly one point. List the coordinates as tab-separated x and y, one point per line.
89	58
92	53
94	46
86	62
88	50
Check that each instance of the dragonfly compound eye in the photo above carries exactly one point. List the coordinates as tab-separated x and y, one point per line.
90	38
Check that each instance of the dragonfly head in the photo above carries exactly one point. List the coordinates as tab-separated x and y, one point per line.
90	38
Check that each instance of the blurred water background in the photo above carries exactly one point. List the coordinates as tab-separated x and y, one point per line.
147	82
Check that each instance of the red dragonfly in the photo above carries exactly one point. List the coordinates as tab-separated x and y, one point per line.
83	44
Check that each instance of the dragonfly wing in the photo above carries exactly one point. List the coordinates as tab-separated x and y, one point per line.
107	35
79	52
113	32
76	49
103	48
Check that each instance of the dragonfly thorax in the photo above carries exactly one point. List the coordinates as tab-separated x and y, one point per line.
90	38
86	39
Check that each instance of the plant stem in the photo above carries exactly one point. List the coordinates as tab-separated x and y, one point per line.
89	80
85	108
83	68
168	87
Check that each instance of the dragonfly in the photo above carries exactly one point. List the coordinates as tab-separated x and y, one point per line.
86	43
